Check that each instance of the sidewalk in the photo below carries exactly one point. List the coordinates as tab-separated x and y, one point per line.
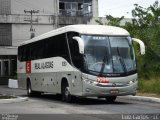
11	91
141	98
21	94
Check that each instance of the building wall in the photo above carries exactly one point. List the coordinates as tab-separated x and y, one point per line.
44	6
95	8
21	32
5	6
5	34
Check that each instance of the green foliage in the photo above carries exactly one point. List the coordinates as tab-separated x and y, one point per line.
146	27
99	22
149	86
6	97
114	21
110	21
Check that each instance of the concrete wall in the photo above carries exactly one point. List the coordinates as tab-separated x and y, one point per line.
5	6
37	19
95	8
21	32
5	35
44	6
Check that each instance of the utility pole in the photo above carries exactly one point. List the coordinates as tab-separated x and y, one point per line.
56	13
31	21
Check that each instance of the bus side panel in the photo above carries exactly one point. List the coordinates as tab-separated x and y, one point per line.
21	74
77	85
74	80
49	78
44	82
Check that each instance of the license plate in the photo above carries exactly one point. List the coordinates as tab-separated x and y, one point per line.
115	91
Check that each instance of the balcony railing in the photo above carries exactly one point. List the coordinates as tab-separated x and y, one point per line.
75	13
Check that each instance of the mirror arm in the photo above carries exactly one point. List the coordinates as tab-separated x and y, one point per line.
142	46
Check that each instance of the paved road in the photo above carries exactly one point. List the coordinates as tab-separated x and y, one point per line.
49	107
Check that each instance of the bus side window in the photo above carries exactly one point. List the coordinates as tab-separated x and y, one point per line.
62	47
33	51
24	53
50	47
57	47
40	50
27	53
37	50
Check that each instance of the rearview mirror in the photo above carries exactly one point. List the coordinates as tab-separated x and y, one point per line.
80	43
141	44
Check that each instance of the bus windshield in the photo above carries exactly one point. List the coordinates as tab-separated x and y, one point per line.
106	55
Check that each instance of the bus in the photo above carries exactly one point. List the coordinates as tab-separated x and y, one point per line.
80	61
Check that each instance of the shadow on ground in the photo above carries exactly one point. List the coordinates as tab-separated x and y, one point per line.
79	101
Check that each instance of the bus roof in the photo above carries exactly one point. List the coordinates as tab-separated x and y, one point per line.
82	29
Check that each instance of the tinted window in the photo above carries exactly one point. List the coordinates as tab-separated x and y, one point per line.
23	53
37	50
57	47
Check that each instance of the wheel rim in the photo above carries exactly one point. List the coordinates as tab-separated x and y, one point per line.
29	89
67	93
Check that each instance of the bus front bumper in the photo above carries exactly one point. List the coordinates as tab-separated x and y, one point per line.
90	90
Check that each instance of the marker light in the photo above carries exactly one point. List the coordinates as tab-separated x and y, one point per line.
102	80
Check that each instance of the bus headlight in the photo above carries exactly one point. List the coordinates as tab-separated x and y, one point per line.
132	81
90	82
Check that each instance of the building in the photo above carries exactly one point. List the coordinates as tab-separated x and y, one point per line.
21	19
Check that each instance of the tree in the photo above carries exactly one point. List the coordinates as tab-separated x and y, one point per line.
146	16
110	20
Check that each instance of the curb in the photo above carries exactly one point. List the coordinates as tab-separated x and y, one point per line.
14	100
141	98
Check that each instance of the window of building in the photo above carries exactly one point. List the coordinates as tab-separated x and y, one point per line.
5	35
61	6
80	6
75	8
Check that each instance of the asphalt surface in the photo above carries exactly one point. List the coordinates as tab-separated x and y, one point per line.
50	107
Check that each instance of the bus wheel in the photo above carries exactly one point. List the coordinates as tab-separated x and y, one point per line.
30	93
111	99
66	96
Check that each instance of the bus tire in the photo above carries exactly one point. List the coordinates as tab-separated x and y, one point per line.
110	99
66	96
29	90
30	93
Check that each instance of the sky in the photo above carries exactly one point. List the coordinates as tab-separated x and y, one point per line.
118	8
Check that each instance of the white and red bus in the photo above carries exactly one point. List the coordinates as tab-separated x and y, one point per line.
80	60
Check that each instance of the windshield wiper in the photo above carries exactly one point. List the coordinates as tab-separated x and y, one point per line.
121	60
